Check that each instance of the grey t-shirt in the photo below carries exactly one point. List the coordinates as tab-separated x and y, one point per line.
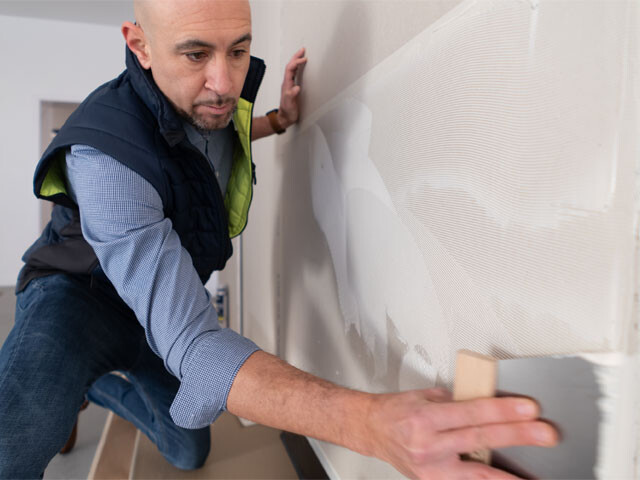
217	146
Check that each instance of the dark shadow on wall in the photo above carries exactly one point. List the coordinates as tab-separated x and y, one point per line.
302	249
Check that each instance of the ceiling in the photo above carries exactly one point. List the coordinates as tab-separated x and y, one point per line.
103	12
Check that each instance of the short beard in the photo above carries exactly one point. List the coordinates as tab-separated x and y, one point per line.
217	124
205	124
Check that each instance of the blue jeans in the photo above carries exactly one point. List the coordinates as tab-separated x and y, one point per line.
70	331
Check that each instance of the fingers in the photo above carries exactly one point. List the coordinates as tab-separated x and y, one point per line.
294	64
470	439
299	54
428	431
448	416
293	68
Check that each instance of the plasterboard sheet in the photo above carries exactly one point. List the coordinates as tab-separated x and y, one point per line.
475	189
347	38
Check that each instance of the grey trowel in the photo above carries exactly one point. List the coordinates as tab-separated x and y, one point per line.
568	392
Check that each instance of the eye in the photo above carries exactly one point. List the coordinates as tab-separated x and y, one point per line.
195	56
238	53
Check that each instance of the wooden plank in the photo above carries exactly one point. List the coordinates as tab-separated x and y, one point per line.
236	453
116	451
476	377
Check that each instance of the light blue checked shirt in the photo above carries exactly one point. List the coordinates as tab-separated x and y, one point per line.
122	219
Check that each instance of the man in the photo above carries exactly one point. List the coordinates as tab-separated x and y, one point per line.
151	176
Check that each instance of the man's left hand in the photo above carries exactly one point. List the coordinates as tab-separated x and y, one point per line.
289	110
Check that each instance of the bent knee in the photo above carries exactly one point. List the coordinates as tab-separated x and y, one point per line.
192	452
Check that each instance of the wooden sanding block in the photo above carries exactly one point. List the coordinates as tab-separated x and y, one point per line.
476	377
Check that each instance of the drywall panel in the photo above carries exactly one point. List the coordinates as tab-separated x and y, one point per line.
346	38
475	188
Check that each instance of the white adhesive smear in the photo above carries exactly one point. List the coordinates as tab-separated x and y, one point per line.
374	255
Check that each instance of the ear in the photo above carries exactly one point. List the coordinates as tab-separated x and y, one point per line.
137	43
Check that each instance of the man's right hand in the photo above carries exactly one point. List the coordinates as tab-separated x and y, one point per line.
420	432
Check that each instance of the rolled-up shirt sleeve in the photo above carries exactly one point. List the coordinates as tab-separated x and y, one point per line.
122	218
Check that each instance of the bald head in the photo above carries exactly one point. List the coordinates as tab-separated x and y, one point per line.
151	14
140	10
197	51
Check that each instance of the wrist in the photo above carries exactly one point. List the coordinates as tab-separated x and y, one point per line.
358	432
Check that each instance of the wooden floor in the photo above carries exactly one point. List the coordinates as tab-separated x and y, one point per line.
237	452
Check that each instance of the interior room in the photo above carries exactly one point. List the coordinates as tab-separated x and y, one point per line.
462	176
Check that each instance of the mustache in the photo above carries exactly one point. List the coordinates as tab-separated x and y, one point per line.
220	102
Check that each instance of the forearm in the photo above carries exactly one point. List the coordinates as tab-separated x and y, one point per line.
274	393
419	432
261	127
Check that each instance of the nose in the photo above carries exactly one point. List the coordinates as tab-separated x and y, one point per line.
218	78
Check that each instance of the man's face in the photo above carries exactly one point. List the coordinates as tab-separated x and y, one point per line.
199	56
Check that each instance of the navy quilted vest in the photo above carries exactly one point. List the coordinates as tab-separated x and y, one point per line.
130	120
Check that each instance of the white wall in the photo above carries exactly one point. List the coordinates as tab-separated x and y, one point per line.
40	60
